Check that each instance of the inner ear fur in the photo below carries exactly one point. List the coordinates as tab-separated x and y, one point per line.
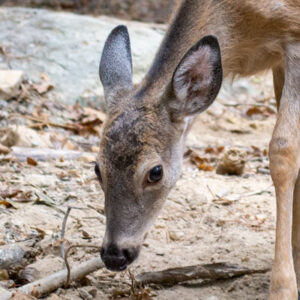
196	80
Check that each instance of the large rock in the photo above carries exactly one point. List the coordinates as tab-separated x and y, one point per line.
157	11
67	47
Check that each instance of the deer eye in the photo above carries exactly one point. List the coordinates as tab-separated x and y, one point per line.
97	172
155	174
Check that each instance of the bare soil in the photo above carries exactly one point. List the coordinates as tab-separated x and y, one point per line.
207	217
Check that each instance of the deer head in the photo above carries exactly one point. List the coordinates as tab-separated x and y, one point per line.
142	142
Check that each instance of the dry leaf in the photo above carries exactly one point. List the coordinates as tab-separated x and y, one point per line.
7	204
202	162
43	87
205	167
31	161
9	193
253	111
41	232
4	275
210	150
85	234
222	201
88	111
4	149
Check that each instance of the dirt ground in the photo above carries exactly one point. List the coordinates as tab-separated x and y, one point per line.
207	217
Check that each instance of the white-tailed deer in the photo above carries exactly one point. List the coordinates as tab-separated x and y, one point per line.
143	140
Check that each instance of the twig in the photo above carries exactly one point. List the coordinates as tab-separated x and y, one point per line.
67	263
209	271
54	281
237	197
63	228
62	236
72	127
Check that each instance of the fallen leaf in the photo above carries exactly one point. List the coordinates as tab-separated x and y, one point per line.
9	193
205	167
43	199
4	275
222	201
210	150
253	111
43	87
41	232
4	149
220	149
7	204
85	235
31	161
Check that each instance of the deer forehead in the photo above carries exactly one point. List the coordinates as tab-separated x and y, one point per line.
130	136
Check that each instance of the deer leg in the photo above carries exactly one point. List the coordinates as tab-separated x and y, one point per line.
284	167
278	80
296	230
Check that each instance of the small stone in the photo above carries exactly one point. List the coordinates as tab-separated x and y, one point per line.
10	255
3	103
10	81
84	294
4	115
41	180
176	235
212	298
92	291
25	137
54	297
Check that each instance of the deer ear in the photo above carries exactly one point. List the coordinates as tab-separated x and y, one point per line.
116	64
196	80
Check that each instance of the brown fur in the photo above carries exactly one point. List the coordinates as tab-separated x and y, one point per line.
253	36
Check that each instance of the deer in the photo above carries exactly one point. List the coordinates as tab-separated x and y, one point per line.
142	142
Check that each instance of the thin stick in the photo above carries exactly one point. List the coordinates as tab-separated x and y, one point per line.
209	271
72	127
67	263
62	236
54	281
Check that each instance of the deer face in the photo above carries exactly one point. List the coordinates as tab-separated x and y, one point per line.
142	142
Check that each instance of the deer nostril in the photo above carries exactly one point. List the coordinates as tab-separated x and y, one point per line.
126	253
130	254
113	258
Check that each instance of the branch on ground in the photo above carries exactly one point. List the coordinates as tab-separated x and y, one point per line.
213	271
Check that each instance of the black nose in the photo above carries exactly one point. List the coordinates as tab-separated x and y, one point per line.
117	259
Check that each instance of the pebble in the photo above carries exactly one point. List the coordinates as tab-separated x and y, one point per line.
10	83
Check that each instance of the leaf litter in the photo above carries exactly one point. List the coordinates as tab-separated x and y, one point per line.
237	206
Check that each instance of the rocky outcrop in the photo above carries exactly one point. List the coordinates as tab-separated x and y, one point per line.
157	11
67	48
